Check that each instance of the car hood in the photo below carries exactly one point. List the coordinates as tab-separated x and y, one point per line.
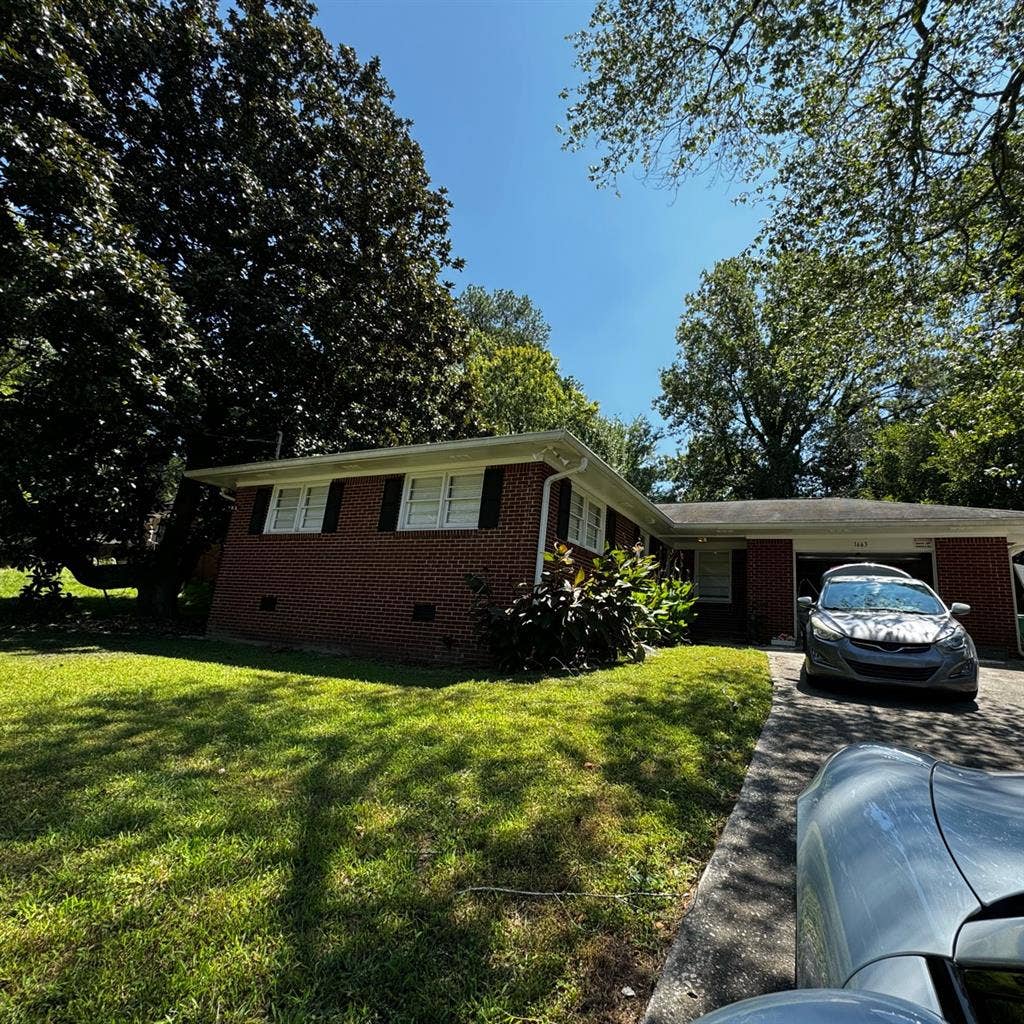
874	877
981	815
889	627
895	851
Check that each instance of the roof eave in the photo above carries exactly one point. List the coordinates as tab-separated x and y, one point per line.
557	448
991	526
228	476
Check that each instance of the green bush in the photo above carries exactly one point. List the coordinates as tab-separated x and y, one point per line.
670	601
575	620
43	598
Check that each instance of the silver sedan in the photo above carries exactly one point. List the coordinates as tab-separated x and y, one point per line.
910	896
875	624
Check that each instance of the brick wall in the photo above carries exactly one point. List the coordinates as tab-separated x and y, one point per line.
976	570
626	531
355	589
770	587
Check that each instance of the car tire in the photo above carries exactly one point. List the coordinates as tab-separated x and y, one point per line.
809	674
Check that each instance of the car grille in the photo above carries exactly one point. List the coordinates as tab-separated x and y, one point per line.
892	647
908	673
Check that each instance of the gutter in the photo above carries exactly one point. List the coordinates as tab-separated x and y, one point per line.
545	505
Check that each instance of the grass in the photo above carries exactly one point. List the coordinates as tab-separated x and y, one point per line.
99	604
195	831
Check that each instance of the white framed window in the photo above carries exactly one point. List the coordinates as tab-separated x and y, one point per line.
297	508
713	576
586	520
442	501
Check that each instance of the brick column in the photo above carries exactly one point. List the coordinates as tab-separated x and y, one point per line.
976	570
770	590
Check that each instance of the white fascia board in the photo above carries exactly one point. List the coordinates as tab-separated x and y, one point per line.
375	461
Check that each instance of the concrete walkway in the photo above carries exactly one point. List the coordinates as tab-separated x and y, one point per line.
738	938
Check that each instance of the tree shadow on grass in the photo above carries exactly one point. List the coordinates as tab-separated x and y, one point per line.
697	784
33	642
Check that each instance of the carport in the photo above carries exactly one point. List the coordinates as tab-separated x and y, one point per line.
750	560
811	567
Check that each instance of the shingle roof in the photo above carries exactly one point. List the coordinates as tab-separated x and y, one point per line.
826	510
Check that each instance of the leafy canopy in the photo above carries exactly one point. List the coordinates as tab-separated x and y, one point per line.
889	122
886	129
784	368
967	448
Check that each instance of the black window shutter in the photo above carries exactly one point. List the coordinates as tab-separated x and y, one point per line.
333	506
390	504
260	507
490	497
564	500
610	523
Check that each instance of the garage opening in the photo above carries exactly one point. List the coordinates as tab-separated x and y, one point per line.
810	568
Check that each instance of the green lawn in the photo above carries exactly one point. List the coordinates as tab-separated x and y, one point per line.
199	831
98	604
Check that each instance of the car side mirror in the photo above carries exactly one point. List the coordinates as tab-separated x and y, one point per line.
805	602
958	608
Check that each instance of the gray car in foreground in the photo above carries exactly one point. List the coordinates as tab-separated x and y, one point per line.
874	624
910	896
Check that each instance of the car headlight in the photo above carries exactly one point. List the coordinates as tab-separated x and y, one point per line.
954	641
823	631
952	638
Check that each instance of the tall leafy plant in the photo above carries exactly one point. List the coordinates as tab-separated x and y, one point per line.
574	619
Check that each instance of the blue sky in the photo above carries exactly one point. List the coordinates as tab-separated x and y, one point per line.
481	83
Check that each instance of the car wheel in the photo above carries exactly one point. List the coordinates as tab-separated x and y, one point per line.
809	674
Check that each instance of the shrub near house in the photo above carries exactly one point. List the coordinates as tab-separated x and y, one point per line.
574	619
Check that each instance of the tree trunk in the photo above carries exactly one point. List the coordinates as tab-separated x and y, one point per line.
175	558
158	597
160	576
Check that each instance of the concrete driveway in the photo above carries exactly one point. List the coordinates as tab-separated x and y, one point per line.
738	938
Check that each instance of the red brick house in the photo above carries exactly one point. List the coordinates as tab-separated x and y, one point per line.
369	551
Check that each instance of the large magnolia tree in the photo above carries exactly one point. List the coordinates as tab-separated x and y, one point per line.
213	227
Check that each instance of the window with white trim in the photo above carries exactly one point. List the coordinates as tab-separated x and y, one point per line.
442	501
297	508
713	576
586	520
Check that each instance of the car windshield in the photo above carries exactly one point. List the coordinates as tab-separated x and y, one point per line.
853	595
